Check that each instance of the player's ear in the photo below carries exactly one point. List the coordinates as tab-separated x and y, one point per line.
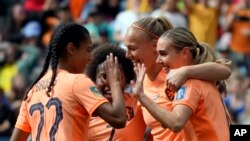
70	48
155	43
186	51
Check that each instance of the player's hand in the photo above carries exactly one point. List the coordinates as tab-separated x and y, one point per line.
112	69
137	87
175	78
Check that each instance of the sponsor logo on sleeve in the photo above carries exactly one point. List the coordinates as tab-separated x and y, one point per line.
94	90
130	112
181	93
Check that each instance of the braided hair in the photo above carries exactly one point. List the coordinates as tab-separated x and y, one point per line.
64	34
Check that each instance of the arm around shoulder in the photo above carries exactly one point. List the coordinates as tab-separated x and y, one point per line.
210	71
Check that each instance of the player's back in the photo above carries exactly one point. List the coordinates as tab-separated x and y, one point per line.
65	114
215	110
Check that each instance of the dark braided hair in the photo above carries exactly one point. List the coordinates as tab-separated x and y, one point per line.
64	34
99	56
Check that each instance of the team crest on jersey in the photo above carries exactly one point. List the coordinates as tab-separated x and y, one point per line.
94	90
181	93
130	112
169	93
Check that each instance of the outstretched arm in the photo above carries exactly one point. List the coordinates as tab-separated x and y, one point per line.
210	71
175	120
19	135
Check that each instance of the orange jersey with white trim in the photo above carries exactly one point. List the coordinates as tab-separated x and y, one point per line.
208	120
156	90
99	130
65	114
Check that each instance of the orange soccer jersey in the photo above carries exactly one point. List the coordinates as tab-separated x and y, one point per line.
156	91
99	130
209	121
65	114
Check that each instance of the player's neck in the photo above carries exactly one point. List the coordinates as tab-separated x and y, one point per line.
152	73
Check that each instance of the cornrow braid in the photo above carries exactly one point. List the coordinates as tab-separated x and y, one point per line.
64	33
44	70
54	63
55	45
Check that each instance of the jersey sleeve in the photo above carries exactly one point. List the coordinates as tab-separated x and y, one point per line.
188	94
22	122
86	93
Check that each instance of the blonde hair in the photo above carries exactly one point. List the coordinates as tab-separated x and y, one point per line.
201	52
154	26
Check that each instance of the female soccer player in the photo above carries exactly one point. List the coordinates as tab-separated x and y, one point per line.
60	102
198	107
141	40
98	128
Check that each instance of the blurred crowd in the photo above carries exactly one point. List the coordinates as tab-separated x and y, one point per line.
26	27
